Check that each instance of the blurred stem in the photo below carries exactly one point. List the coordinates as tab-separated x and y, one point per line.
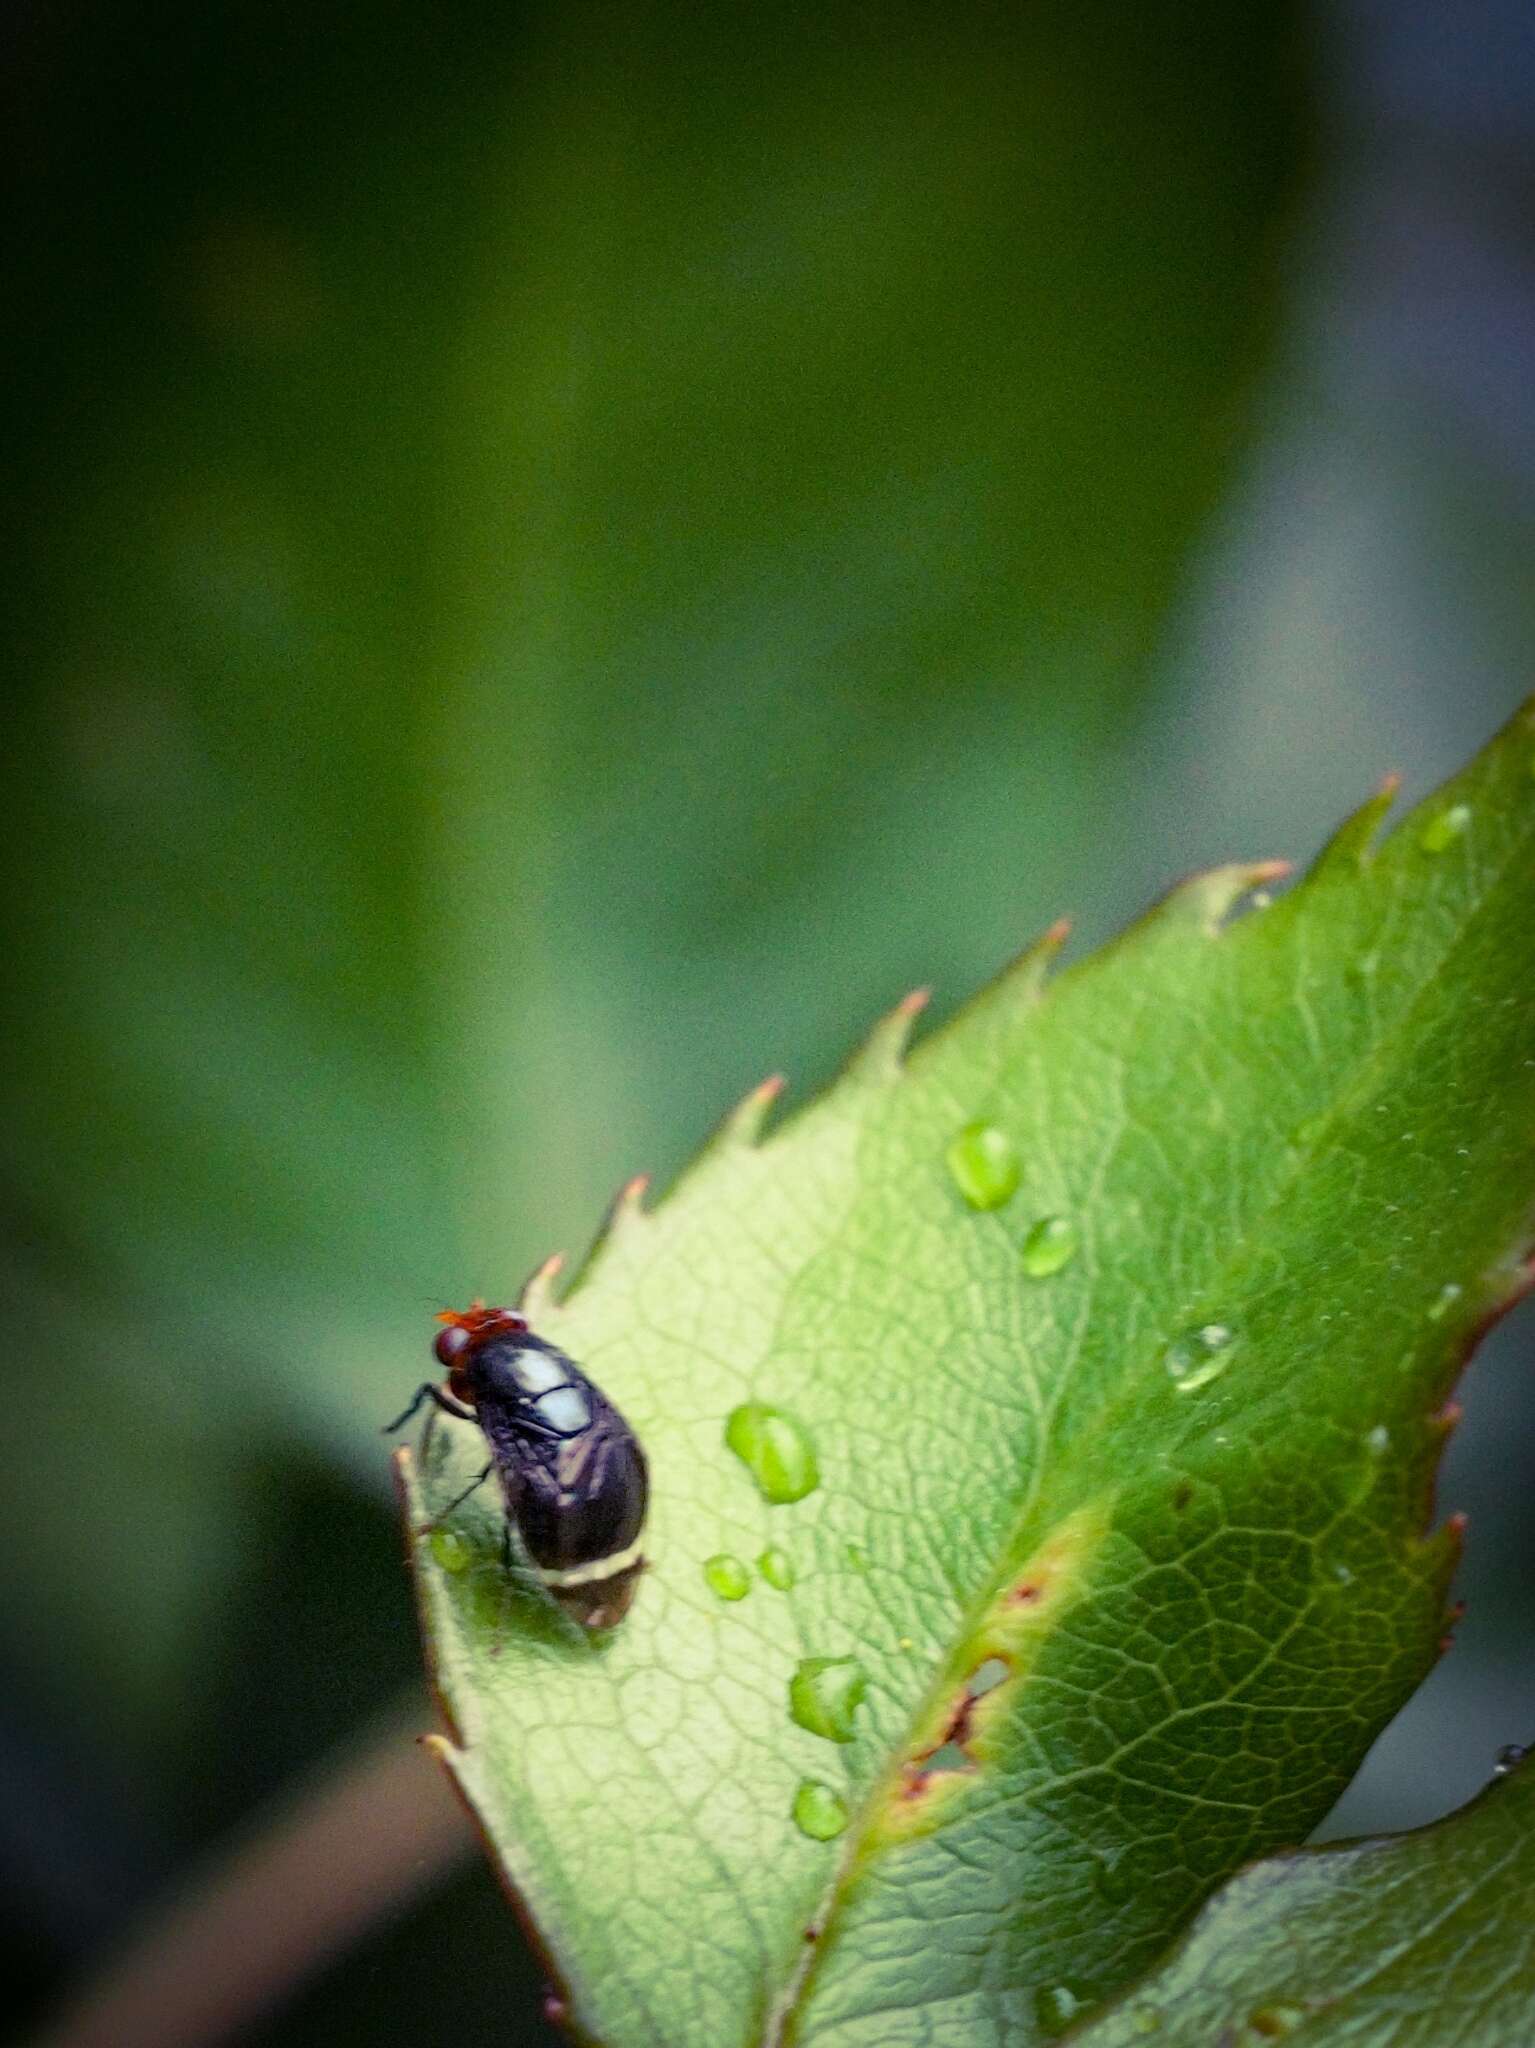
380	1828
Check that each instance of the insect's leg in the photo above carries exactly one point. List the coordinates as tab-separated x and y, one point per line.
430	1391
458	1500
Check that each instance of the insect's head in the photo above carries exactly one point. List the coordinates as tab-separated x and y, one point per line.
463	1332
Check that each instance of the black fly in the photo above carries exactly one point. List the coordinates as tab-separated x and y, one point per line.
572	1473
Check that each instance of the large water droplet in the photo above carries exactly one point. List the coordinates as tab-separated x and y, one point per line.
1198	1356
1444	1301
985	1166
1444	828
776	1450
1509	1756
819	1812
1051	1244
777	1567
727	1576
824	1695
1056	2006
451	1551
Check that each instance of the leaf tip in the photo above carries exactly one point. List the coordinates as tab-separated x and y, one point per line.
744	1124
1354	843
537	1297
1205	902
883	1052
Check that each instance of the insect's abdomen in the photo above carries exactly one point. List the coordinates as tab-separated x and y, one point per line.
588	1502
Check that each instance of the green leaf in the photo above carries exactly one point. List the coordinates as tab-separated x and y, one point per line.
1131	1554
1406	1941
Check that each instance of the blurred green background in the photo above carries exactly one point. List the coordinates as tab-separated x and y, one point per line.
564	558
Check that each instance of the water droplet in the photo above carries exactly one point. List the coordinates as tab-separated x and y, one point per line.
1260	899
451	1551
727	1576
1444	1301
1342	1575
1377	1441
1056	2006
1198	1356
1269	2022
777	1567
858	1559
1510	1755
819	1812
1145	2020
984	1164
775	1449
1051	1244
905	1643
824	1695
986	1677
1444	828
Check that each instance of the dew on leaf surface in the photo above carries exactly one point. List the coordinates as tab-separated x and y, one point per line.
819	1811
1444	1301
1198	1356
1051	1244
824	1695
1444	828
984	1165
726	1576
777	1567
776	1450
1056	2006
450	1550
1509	1756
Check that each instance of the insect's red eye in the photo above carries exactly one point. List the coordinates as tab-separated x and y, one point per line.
449	1345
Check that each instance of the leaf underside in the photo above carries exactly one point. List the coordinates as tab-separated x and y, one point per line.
1412	1940
1307	1129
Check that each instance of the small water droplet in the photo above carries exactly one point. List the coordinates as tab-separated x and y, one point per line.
777	1567
1509	1756
1343	1575
727	1576
1056	2006
1377	1441
1260	899
1199	1356
1444	1301
775	1449
824	1695
1269	2022
858	1559
905	1643
984	1164
1444	828
1051	1244
451	1551
1146	2020
819	1812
